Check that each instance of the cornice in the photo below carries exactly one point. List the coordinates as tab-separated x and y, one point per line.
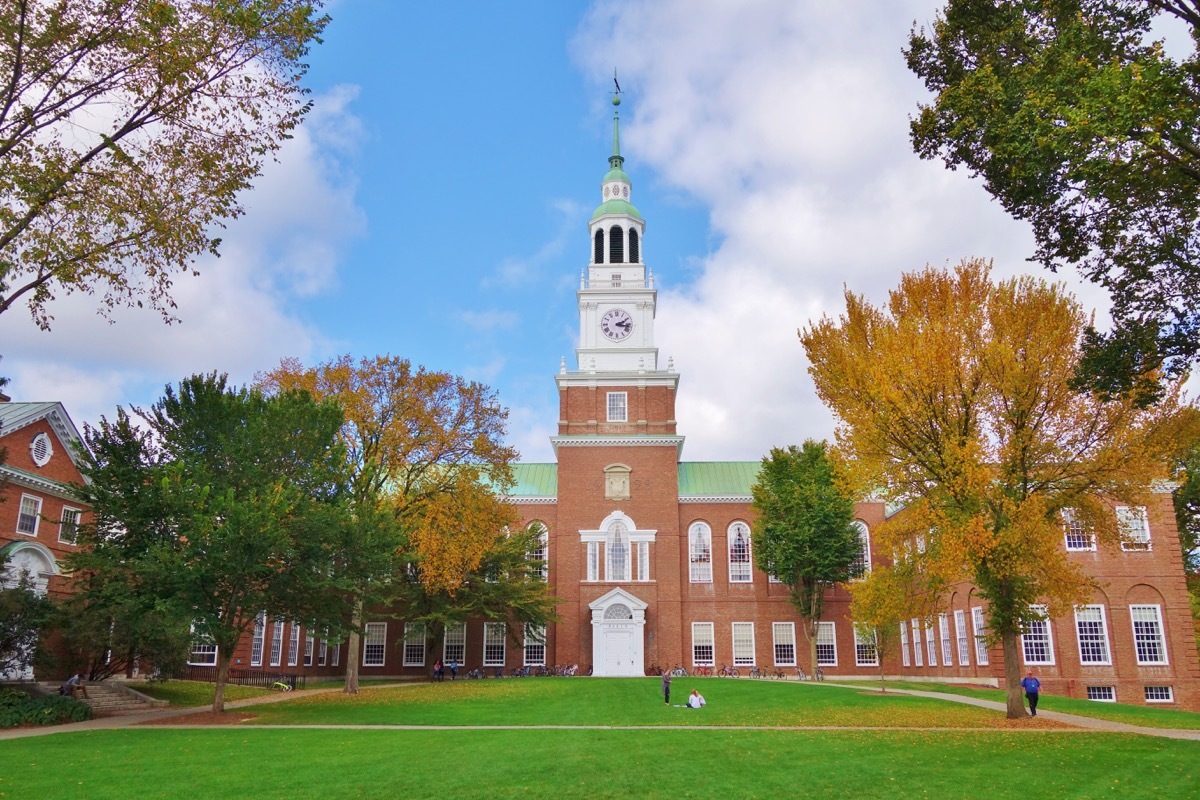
618	441
19	477
717	498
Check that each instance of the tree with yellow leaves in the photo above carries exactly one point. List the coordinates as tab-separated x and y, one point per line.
954	398
429	466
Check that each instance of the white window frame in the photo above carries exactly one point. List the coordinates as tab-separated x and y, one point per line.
743	644
495	635
617	406
258	639
1038	632
979	628
866	646
294	646
22	514
593	561
741	570
456	637
904	644
700	553
277	643
703	636
374	653
783	639
323	653
207	649
931	645
918	656
1168	691
309	644
1074	532
618	534
541	553
414	644
534	649
643	561
827	639
1100	693
861	568
1134	524
47	452
69	521
1100	638
1144	639
944	631
960	635
336	654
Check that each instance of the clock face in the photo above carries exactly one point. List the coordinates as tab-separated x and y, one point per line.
616	324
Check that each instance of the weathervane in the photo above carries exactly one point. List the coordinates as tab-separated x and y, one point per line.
615	83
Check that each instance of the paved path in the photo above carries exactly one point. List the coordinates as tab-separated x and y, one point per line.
148	719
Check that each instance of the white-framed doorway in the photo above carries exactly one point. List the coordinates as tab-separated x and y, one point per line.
618	635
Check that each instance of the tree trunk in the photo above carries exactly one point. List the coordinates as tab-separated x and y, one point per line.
224	657
810	630
1012	676
352	648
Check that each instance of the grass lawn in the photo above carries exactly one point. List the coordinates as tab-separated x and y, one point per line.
650	763
184	694
1148	716
623	701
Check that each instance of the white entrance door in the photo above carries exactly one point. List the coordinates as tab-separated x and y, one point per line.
619	652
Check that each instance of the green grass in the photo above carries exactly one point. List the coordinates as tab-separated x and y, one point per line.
185	694
1147	716
622	701
329	765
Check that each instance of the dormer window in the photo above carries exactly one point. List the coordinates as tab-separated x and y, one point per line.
40	449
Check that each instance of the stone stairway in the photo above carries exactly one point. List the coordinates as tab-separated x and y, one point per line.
112	699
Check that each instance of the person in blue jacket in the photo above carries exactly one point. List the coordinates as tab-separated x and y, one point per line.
1031	685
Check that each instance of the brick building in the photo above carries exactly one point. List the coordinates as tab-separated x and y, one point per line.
651	555
38	513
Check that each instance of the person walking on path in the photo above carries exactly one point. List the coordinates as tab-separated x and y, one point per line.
439	671
454	670
1031	685
666	687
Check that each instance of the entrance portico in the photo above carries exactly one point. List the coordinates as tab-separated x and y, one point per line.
618	635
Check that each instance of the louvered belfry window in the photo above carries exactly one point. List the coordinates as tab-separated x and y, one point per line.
616	245
598	249
634	255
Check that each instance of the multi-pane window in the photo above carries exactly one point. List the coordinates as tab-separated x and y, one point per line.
374	644
739	553
1092	631
277	643
979	628
323	653
1148	639
743	644
918	656
294	646
493	644
68	528
1134	527
593	561
336	653
28	514
931	645
535	645
540	554
1036	643
309	644
944	630
784	635
454	647
1078	535
703	651
700	553
643	561
616	551
960	632
1103	694
866	653
1159	694
414	644
862	559
204	653
904	643
256	641
826	645
618	407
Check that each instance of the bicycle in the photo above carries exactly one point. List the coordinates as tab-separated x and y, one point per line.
758	672
728	672
474	675
820	674
679	672
702	672
281	686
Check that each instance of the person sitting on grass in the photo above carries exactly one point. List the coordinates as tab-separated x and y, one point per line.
696	700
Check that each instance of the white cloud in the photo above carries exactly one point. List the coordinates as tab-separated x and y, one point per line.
236	316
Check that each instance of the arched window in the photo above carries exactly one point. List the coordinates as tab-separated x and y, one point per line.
618	611
598	249
616	245
540	551
862	562
700	553
616	551
739	553
634	255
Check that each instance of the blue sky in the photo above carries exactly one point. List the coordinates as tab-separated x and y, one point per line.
434	206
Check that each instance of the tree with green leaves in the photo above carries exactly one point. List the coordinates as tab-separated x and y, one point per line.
25	615
128	129
1080	123
219	503
804	534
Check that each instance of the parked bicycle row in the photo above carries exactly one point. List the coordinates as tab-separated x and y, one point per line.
726	671
547	671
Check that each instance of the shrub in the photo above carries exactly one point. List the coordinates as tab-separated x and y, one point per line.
18	708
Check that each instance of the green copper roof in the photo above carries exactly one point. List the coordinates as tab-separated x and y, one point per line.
724	478
534	480
616	206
